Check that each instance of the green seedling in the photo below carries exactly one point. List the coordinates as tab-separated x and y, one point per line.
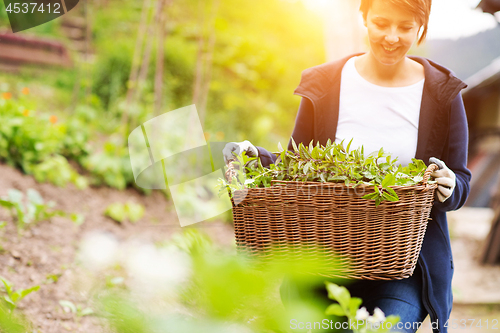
13	297
52	278
128	211
114	281
57	170
77	310
32	209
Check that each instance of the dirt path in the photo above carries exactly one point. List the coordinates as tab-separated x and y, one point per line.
47	250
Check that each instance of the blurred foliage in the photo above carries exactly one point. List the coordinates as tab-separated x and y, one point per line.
32	142
12	322
77	310
32	209
224	293
258	57
41	144
221	292
129	211
111	166
257	62
25	138
57	170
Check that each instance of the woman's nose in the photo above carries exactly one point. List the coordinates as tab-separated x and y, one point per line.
392	38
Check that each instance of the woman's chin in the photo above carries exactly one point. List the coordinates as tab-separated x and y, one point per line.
388	60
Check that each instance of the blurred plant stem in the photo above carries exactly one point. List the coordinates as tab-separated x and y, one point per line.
138	74
161	21
88	35
132	81
204	57
155	30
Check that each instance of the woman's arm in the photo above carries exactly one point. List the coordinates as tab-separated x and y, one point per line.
302	132
456	156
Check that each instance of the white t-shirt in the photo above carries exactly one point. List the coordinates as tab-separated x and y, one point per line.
378	117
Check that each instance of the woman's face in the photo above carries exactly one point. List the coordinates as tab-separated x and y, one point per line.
391	32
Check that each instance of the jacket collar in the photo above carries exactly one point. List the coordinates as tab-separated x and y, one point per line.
439	81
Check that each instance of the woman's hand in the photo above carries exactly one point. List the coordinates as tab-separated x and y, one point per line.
238	148
445	178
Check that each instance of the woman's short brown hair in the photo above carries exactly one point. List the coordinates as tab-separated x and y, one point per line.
421	9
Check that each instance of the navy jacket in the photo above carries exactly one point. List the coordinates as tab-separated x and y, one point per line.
442	133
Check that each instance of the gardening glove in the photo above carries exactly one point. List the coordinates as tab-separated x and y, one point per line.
238	148
445	178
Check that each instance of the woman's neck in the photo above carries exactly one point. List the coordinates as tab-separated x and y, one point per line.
403	73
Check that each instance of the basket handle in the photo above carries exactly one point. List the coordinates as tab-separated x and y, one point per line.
430	169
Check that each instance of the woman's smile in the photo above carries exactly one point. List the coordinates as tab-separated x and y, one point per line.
389	50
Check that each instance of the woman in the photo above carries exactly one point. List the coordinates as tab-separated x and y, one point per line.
412	107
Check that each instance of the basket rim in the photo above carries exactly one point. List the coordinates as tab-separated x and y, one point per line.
331	184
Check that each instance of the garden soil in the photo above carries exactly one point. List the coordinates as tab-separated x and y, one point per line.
45	254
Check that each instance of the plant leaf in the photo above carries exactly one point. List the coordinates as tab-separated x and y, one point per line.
68	306
28	291
86	312
354	305
389	180
339	294
335	310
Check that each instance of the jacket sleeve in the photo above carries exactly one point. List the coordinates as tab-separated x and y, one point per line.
456	156
304	124
266	158
302	132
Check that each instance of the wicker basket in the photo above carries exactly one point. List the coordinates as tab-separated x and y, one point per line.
380	243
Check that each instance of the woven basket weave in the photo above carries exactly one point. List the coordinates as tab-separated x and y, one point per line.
331	219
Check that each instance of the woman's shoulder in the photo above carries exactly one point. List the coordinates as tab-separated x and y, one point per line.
328	67
433	67
320	77
441	81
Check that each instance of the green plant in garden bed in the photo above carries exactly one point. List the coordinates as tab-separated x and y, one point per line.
40	144
111	166
26	138
36	143
121	212
57	170
78	310
13	322
330	163
33	210
13	297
